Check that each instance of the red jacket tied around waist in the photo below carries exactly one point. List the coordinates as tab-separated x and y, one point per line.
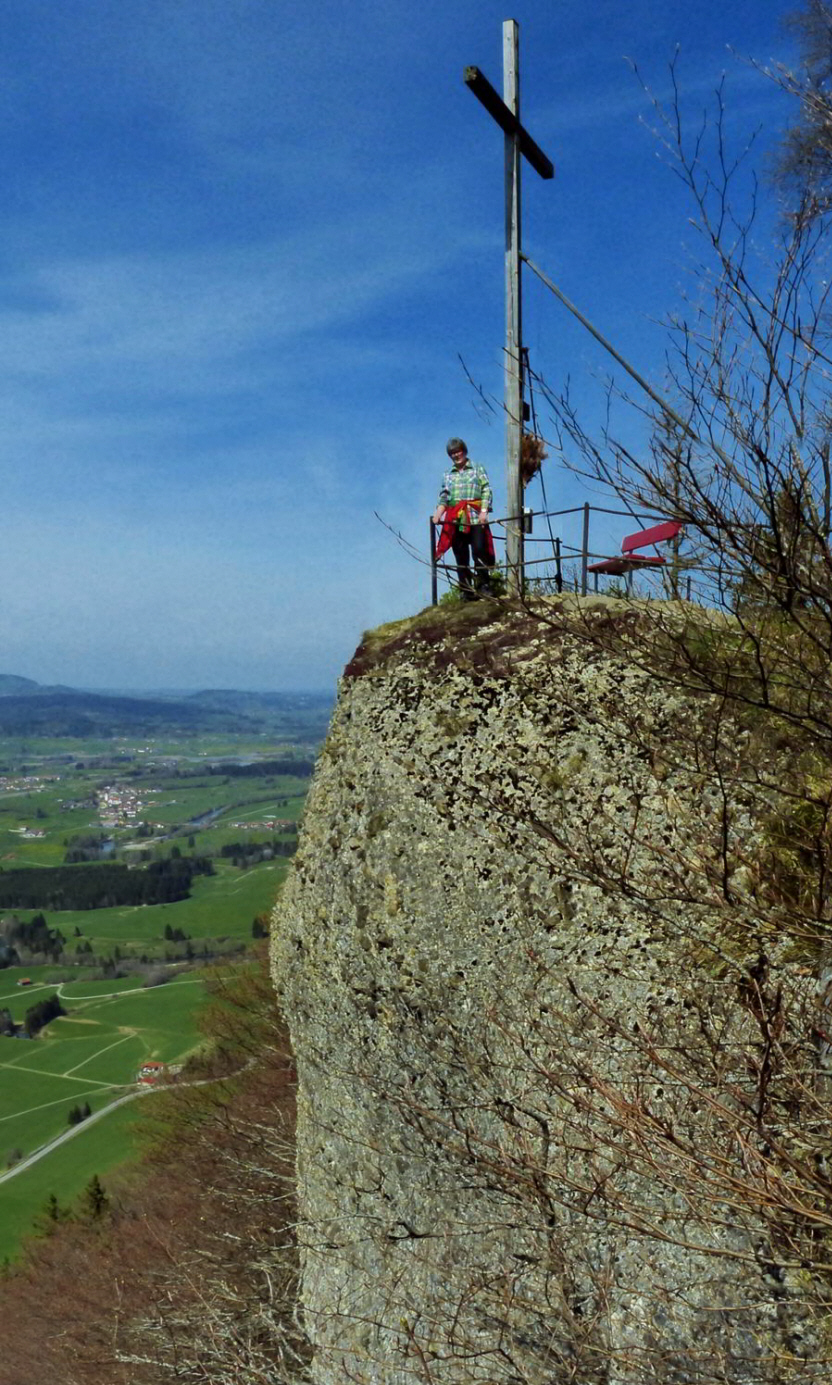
459	516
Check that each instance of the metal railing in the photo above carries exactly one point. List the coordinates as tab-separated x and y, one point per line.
559	553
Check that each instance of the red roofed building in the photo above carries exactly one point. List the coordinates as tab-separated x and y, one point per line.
150	1072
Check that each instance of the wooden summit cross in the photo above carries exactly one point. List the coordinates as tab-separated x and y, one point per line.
518	142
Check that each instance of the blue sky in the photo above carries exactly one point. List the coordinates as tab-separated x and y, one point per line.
242	246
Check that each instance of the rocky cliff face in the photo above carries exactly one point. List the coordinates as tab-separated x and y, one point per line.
547	1035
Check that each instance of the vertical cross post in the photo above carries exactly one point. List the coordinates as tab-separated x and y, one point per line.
514	313
518	143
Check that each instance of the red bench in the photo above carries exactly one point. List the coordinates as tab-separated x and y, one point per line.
629	559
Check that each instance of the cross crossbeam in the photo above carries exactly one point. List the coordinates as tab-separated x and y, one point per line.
479	84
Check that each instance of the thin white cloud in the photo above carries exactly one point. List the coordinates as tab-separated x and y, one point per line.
242	246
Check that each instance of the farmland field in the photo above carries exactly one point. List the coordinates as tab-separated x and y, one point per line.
130	978
92	1055
100	1149
220	907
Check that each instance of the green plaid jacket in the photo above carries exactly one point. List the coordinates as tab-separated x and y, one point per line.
469	482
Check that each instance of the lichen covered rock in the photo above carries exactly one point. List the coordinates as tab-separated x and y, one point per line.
531	989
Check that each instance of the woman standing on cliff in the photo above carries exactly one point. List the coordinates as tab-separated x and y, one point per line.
464	502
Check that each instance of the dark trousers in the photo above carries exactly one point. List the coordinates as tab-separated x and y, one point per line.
464	545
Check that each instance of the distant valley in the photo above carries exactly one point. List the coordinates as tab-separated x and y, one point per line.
30	709
143	840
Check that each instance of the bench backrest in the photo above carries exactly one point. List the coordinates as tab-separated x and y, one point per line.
659	533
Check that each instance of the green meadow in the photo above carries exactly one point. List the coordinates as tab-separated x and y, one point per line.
91	1055
221	907
113	1025
99	1149
18	998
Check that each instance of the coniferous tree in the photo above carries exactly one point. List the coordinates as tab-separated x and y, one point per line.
51	1216
94	1200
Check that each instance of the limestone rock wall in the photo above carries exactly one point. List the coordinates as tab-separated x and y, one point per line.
523	1044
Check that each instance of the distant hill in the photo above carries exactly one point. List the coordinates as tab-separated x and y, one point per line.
28	708
79	714
13	683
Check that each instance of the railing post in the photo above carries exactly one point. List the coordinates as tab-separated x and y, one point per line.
434	600
585	554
